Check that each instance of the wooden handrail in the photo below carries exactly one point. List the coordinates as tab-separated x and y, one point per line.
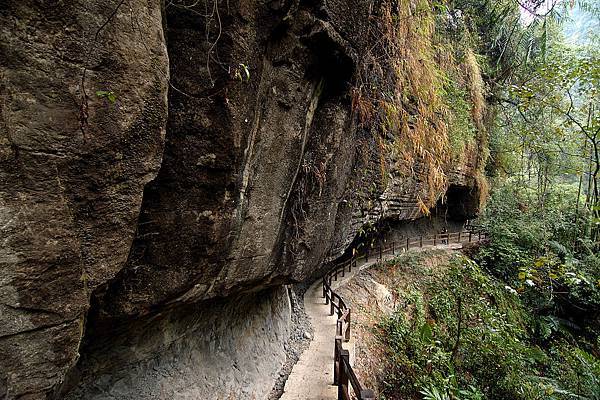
344	376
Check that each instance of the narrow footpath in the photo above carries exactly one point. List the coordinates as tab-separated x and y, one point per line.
312	376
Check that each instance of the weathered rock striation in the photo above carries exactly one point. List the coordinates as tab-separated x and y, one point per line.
117	238
224	349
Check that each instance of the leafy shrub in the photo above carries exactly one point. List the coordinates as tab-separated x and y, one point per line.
543	254
467	335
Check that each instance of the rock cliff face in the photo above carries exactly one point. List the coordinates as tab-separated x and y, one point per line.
73	166
110	229
223	349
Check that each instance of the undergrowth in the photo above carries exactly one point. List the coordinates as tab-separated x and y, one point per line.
465	335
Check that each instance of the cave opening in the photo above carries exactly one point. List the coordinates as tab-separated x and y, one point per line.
330	63
453	212
459	204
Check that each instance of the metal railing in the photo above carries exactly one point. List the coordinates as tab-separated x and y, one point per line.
343	374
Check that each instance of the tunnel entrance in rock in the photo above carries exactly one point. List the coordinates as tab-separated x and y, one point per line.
460	203
452	213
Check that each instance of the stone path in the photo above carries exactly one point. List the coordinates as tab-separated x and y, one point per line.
312	376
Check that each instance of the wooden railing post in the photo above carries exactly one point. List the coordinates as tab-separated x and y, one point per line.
331	310
336	359
367	394
343	375
343	371
348	320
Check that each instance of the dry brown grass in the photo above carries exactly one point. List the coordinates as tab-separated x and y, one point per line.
401	91
363	107
418	114
483	188
475	87
476	91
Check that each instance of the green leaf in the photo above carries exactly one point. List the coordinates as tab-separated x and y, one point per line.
246	71
107	94
426	333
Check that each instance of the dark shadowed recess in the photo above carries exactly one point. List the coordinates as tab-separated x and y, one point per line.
452	213
460	203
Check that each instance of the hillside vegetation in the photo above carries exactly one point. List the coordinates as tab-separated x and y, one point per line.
461	333
421	83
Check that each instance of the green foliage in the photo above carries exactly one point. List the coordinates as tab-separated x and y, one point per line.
241	73
466	335
500	35
461	129
526	324
548	132
546	256
107	94
520	231
542	253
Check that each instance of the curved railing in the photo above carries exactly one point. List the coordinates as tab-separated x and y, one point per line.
343	374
